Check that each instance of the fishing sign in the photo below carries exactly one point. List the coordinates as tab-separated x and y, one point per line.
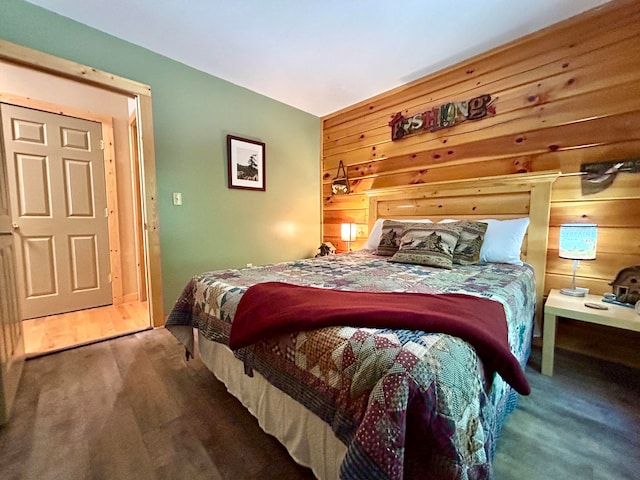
444	116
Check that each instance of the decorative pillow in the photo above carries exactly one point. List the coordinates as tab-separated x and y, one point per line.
503	240
390	235
428	244
472	234
376	231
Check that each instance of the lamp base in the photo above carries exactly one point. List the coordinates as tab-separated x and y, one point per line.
575	292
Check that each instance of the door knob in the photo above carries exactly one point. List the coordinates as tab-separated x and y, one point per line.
15	226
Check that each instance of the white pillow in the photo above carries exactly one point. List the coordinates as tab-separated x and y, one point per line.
375	233
503	240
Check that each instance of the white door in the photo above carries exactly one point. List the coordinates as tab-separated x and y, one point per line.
11	337
55	176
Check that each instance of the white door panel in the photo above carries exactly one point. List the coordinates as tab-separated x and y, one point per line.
58	196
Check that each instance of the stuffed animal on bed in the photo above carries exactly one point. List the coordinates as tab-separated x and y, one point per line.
326	249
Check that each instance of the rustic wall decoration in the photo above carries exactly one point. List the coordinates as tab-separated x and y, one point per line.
340	184
444	116
626	285
599	176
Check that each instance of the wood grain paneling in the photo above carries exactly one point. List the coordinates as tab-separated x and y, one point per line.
564	96
555	109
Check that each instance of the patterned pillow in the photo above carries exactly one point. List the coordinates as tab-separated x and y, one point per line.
467	250
429	244
390	236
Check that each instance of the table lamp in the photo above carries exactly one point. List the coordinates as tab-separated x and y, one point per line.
348	233
577	242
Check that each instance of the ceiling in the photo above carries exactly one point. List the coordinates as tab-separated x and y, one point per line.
318	55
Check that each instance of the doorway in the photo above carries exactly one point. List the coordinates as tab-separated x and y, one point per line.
55	325
57	191
140	94
127	188
38	62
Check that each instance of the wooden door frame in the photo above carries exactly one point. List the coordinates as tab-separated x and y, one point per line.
39	61
109	172
141	276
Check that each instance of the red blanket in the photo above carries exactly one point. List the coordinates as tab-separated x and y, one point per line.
275	308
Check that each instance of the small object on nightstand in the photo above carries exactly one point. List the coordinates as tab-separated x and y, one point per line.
616	302
597	306
612	298
626	286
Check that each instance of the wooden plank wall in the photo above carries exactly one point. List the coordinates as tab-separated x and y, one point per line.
566	95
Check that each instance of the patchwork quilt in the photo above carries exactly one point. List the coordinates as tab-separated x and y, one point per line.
406	403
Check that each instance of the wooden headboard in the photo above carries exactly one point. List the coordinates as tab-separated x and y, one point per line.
500	197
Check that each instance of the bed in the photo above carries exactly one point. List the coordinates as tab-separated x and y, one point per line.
352	400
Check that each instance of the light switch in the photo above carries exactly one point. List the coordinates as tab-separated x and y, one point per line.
177	198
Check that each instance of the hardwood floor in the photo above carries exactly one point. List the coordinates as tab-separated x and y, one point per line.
582	423
57	332
132	408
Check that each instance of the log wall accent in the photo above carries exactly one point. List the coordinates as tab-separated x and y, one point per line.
564	96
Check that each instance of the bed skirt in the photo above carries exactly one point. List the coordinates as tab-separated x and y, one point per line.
309	440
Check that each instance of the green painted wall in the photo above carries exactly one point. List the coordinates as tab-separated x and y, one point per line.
193	112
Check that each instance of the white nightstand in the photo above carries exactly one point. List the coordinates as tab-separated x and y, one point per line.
559	305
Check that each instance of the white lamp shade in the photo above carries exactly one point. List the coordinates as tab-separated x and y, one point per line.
348	232
578	241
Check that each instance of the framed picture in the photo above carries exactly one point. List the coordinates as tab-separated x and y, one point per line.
246	163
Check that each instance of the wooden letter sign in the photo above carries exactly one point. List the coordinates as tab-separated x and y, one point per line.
444	116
